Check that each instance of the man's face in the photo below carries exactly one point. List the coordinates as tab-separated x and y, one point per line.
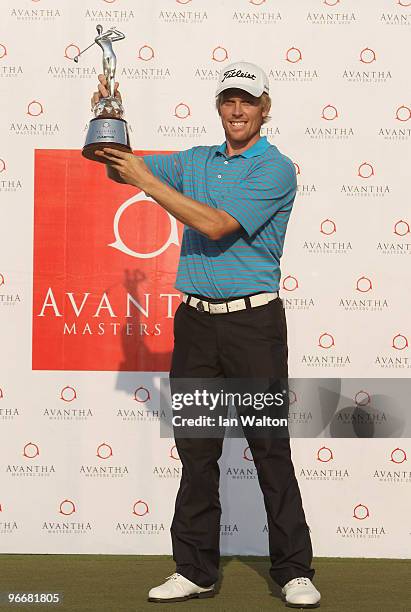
241	115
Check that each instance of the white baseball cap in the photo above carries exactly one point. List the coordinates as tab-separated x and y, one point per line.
243	75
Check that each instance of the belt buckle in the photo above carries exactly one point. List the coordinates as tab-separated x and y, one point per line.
200	306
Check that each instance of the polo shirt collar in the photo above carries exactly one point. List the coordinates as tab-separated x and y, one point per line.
257	149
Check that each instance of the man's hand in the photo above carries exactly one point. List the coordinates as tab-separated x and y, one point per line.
131	168
103	91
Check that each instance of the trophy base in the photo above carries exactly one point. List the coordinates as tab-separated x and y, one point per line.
107	132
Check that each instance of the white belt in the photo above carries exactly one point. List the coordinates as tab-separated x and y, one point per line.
203	306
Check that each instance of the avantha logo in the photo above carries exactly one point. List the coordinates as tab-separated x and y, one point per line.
398	455
293	55
67	507
71	51
35	108
145	53
362	398
104	451
219	54
365	170
68	394
290	283
367	56
326	341
140	508
329	113
361	512
247	454
31	450
403	113
182	111
142	395
401	228
324	454
328	227
363	284
400	342
115	290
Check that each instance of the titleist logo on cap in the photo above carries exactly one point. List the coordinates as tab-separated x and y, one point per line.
229	74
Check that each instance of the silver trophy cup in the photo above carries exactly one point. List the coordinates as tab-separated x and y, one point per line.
108	127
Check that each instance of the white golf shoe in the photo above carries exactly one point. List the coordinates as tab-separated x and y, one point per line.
178	588
301	593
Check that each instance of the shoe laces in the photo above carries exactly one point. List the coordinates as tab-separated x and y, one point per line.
173	576
302	580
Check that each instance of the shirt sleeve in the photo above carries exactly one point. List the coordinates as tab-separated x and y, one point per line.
169	168
269	187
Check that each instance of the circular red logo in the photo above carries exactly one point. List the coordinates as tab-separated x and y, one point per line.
403	113
142	395
293	55
34	108
361	512
401	228
326	341
182	111
2	165
365	170
67	507
405	3
400	342
324	454
398	455
364	284
367	56
68	394
71	51
174	453
31	450
3	51
140	508
145	53
328	227
329	113
2	281
362	398
104	451
247	454
331	2
290	283
219	54
292	397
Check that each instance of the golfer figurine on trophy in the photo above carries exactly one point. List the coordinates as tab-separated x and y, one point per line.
108	127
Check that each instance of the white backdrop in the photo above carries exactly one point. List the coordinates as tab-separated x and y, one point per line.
82	466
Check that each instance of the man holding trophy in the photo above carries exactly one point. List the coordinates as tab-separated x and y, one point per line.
235	200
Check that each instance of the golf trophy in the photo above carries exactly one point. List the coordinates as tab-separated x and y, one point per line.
107	128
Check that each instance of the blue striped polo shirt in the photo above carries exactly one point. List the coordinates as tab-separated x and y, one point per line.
258	188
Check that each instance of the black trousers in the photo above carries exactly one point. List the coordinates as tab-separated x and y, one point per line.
247	343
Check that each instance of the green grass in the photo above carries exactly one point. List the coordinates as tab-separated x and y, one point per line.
119	583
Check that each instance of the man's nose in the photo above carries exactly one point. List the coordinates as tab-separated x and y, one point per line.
237	109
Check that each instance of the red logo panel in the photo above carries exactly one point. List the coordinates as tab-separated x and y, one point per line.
105	257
